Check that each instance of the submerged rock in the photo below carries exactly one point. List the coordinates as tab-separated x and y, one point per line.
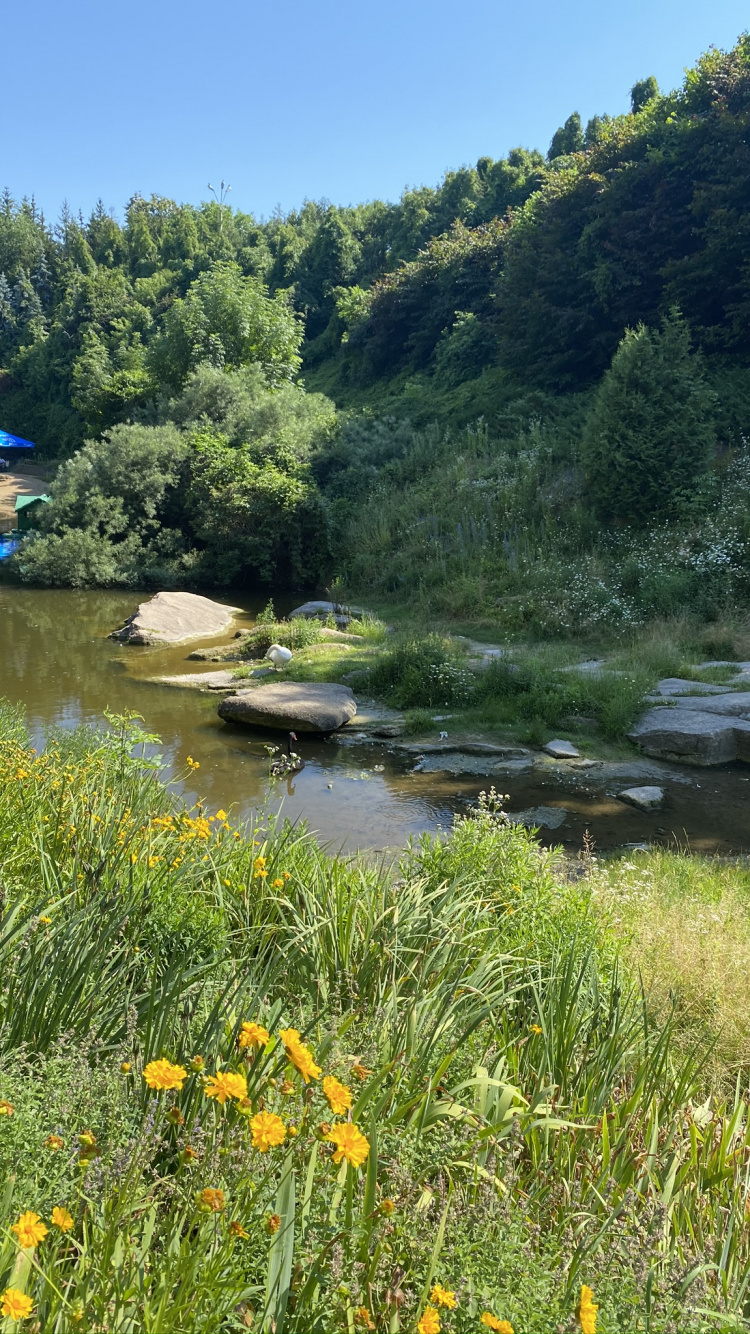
541	817
298	706
175	618
643	798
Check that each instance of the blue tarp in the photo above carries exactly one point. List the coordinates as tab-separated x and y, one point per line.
7	546
8	441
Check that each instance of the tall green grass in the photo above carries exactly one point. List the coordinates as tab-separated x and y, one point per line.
531	1122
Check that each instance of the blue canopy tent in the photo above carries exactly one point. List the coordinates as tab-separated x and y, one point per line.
14	447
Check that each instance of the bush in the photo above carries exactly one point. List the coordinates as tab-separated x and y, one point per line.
296	634
421	673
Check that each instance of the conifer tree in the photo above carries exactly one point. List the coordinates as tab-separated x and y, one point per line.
650	432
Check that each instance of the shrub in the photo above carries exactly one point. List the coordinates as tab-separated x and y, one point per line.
421	673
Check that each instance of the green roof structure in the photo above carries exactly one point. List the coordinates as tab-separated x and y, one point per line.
26	507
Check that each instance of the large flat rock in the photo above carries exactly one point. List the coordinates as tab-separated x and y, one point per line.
701	735
175	618
733	704
675	685
297	706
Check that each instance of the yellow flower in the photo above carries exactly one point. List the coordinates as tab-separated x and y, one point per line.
499	1326
443	1297
210	1200
191	763
299	1055
253	1035
62	1219
535	1028
587	1310
163	1075
237	1230
47	920
338	1095
273	1223
6	1108
125	1067
54	1142
387	1207
279	884
29	1229
430	1321
362	1318
225	1084
350	1143
16	1305
221	815
267	1130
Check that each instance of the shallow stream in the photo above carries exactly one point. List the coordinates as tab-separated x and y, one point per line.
56	659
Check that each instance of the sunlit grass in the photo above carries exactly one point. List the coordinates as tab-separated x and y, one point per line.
526	1119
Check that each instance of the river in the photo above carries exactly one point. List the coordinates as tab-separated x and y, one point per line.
56	659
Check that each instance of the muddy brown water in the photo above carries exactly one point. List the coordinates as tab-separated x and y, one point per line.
56	660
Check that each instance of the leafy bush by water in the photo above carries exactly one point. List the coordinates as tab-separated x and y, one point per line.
421	673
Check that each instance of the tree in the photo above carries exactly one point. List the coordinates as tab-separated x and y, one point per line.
650	433
567	139
642	92
227	320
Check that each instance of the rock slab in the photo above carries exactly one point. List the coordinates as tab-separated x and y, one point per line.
675	685
699	735
175	618
541	817
562	750
643	798
297	706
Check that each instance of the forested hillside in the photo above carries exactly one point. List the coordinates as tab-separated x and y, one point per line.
506	293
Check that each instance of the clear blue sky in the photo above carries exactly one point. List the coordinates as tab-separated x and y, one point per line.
288	100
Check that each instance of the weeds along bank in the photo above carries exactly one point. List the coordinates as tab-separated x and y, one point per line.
244	1084
469	526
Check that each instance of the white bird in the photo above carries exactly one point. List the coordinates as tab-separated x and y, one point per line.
443	736
279	656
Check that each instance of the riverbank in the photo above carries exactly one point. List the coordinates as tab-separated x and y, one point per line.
518	1124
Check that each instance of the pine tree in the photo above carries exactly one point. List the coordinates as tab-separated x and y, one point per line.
7	314
567	139
650	433
642	92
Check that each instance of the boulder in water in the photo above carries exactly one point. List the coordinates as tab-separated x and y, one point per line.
175	618
296	706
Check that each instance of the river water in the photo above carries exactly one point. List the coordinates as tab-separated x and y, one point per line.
56	659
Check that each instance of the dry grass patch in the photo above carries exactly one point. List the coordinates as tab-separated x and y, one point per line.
684	924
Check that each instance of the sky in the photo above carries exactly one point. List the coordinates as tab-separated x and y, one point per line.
333	100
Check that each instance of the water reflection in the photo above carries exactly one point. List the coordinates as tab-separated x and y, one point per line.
56	659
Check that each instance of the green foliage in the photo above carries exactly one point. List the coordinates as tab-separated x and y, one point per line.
567	139
295	634
649	436
183	501
421	673
527	1110
267	616
229	320
642	92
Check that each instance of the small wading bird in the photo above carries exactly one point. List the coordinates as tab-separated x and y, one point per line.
279	656
291	763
